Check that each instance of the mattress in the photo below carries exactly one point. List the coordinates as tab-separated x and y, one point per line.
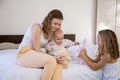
9	70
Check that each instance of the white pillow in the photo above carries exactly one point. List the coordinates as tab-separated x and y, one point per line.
8	45
91	50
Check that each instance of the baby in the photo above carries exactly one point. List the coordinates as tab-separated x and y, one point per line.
58	47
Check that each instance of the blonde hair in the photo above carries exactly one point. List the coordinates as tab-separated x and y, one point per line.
47	21
110	43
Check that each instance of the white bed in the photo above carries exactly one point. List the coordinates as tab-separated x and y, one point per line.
9	70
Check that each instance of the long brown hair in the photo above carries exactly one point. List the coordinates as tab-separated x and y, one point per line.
110	43
57	14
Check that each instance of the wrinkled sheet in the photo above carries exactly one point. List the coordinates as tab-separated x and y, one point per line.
9	70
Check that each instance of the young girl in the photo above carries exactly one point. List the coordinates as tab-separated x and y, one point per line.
108	59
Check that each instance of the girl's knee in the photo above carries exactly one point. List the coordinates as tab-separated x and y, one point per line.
59	66
52	61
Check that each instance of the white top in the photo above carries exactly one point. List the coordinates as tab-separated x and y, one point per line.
112	71
54	48
27	39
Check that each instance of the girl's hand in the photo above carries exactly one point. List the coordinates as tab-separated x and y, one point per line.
41	51
83	53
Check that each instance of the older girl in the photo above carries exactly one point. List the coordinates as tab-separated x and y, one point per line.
108	59
37	36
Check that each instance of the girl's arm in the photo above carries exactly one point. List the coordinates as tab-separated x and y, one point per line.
91	63
36	33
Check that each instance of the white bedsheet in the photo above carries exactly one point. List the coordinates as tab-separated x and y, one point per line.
9	70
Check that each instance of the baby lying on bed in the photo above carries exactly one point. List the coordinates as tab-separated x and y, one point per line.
58	47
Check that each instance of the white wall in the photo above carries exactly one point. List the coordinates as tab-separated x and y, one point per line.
79	16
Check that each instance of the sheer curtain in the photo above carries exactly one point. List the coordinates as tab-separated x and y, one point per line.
108	16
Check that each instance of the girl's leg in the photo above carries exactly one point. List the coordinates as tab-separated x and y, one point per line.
35	59
58	72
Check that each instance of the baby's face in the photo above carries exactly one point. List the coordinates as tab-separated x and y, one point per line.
58	39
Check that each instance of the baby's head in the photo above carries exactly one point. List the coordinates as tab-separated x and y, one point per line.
58	36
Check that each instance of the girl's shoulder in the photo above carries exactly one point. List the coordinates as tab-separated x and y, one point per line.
37	25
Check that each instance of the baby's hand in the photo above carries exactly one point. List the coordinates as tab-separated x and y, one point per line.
50	43
76	43
67	47
60	59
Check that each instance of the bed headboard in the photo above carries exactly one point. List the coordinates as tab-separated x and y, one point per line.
18	38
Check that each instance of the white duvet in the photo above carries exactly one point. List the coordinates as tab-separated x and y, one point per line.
9	70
